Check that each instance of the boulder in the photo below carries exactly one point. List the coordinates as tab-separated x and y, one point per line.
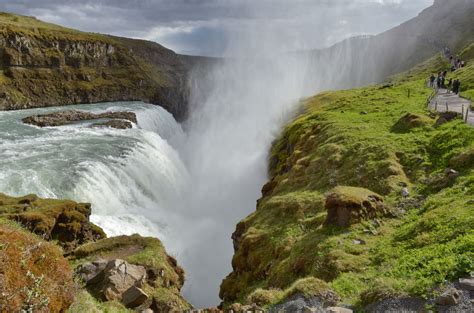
449	297
349	205
467	283
119	276
133	297
113	280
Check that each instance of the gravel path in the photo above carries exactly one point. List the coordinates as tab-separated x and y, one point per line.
454	103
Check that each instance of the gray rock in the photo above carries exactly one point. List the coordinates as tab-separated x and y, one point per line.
89	271
133	297
449	297
338	309
298	303
466	283
405	192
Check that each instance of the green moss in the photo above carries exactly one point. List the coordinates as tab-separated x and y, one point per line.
84	302
148	252
356	138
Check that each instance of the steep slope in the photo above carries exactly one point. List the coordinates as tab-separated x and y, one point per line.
42	64
371	59
368	197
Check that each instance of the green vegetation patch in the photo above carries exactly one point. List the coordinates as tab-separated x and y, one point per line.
380	138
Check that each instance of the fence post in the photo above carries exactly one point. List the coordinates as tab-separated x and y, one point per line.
467	115
462	111
436	106
447	106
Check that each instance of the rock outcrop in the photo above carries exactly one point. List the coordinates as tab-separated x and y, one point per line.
62	220
47	65
68	117
350	205
115	280
134	270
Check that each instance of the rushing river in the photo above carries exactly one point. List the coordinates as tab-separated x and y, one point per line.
128	175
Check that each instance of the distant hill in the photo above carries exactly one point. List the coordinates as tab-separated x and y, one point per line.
363	60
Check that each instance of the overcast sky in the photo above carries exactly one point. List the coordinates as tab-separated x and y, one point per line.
207	27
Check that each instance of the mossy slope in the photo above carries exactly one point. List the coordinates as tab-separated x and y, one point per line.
34	276
355	138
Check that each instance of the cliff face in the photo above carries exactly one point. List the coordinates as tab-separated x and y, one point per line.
45	65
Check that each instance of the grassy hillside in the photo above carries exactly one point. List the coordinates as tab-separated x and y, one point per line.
43	64
383	139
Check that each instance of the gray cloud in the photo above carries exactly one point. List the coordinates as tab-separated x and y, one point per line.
206	27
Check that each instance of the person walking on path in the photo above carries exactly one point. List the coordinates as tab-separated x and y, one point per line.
456	86
432	80
450	85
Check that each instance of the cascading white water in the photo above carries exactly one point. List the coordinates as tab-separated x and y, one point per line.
128	175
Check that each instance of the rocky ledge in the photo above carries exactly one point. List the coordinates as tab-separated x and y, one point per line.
119	120
53	259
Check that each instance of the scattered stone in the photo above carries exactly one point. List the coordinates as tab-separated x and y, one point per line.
466	283
405	192
359	242
88	271
67	117
147	311
111	281
449	297
337	309
363	113
307	309
471	201
133	297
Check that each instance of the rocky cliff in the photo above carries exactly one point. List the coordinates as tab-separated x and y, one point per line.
43	64
53	259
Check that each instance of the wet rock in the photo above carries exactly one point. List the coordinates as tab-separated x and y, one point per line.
133	297
449	297
349	205
68	117
118	124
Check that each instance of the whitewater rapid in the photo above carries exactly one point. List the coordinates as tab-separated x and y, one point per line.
130	176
